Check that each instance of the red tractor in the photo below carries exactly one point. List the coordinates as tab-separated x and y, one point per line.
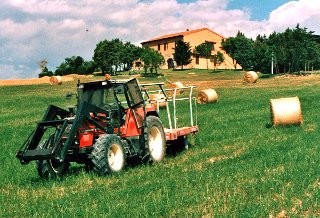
111	123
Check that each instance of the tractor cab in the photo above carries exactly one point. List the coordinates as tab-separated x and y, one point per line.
119	99
107	94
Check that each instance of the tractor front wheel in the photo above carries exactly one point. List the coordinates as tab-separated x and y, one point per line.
108	155
155	141
51	168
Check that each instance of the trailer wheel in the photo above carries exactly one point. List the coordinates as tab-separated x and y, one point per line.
155	142
108	155
177	146
51	168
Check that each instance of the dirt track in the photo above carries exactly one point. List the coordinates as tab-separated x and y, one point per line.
283	80
35	81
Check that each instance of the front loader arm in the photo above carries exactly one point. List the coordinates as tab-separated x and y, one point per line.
83	113
53	113
55	117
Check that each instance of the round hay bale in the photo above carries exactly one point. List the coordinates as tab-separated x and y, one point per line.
176	85
285	111
207	96
250	77
55	80
160	98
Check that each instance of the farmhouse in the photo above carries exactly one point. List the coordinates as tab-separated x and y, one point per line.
166	45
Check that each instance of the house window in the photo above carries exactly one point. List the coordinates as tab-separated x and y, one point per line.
165	46
197	59
212	43
158	47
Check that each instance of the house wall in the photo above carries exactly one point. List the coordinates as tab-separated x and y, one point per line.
198	38
167	51
194	39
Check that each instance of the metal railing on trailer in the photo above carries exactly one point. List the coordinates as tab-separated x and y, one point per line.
173	99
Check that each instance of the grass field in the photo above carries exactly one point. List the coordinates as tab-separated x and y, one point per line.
237	167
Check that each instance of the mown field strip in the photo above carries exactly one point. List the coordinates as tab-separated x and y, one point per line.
238	165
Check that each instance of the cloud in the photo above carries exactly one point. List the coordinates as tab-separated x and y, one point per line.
16	72
56	29
40	7
304	12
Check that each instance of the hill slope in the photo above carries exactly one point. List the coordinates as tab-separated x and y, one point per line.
238	166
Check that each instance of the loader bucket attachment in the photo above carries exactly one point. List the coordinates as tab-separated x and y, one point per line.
58	119
53	117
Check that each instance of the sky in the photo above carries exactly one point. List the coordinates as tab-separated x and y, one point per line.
33	30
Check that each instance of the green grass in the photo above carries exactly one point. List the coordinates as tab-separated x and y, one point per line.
237	167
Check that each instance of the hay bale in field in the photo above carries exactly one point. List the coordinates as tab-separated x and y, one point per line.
285	111
250	77
207	96
176	85
55	80
154	98
76	76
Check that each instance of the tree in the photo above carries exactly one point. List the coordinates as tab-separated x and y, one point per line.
244	54
240	48
70	65
129	54
182	53
43	67
107	55
115	55
74	63
294	49
217	59
262	55
43	64
45	72
152	59
205	50
61	69
87	67
229	45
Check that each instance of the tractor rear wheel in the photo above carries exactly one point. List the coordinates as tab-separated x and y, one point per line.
108	155
155	141
51	168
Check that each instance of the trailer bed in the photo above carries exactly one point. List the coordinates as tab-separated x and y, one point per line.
173	134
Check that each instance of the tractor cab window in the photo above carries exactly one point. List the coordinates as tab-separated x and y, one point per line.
134	93
109	99
99	96
119	91
92	96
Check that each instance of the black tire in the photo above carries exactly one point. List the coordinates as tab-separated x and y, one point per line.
182	143
178	145
88	165
51	168
154	141
108	155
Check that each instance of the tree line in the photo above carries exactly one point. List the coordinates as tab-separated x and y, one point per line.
293	50
110	56
114	56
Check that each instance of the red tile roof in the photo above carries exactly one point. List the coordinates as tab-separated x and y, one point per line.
188	32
